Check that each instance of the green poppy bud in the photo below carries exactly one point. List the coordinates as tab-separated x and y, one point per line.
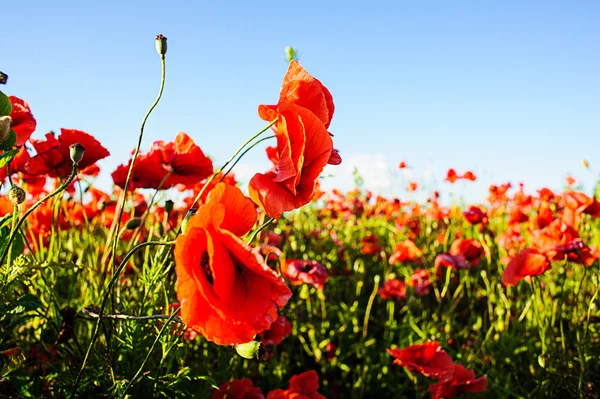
161	45
186	219
76	151
169	206
133	224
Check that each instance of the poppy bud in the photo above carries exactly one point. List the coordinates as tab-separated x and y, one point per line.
16	195
169	206
583	162
161	45
133	224
186	219
76	151
4	127
290	53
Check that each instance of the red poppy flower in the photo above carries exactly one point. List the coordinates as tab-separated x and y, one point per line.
304	147
570	180
455	380
470	249
53	154
420	282
280	329
23	122
468	175
370	245
167	165
306	272
559	240
412	186
428	359
226	291
238	389
454	262
577	203
451	176
302	386
405	251
300	88
392	289
528	262
184	160
474	215
402	165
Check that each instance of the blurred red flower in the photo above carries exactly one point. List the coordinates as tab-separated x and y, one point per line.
238	389
395	289
23	122
280	329
302	386
528	262
306	272
428	359
456	379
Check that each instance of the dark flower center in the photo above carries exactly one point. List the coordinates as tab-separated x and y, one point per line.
204	264
304	267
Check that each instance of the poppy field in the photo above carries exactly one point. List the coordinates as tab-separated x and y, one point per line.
180	282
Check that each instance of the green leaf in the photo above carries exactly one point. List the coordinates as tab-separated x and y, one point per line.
10	141
26	303
250	350
6	157
17	244
5	106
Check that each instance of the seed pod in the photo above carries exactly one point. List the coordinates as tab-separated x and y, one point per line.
161	45
16	195
76	151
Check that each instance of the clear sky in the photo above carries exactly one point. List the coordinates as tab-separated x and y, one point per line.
508	89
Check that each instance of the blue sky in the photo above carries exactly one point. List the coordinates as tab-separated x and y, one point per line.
508	89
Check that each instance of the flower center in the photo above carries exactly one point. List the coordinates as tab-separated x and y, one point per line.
204	264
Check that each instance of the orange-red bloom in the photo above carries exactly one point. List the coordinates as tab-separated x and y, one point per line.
468	175
306	272
302	386
428	359
238	389
474	215
420	282
23	122
280	329
226	291
167	165
53	154
528	262
405	251
470	249
455	380
303	149
395	289
451	176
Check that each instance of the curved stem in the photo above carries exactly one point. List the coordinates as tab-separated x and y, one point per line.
261	228
33	208
121	205
105	299
235	154
244	153
141	368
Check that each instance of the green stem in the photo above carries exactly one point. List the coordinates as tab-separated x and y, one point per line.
121	205
114	278
235	154
33	208
261	228
244	153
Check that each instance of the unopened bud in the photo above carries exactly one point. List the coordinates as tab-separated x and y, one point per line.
585	163
290	53
4	127
186	219
169	206
16	195
161	44
77	152
133	224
